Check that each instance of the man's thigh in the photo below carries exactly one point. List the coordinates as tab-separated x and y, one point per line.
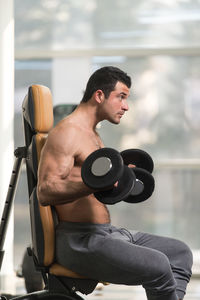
110	256
169	246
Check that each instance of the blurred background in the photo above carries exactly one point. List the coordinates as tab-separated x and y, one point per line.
59	43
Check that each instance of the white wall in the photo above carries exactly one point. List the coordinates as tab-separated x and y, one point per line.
6	129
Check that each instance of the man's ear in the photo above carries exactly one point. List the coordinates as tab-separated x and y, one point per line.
99	96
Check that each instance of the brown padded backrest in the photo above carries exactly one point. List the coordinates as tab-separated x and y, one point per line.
43	108
46	215
43	122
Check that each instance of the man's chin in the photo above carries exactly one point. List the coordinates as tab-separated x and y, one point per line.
116	122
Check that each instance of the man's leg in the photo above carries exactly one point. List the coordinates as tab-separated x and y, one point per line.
178	253
109	255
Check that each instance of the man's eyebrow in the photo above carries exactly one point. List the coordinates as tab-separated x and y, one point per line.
124	94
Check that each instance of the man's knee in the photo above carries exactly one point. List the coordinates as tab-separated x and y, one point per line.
160	265
187	255
184	256
161	279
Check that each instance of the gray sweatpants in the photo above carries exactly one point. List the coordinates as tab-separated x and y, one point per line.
103	252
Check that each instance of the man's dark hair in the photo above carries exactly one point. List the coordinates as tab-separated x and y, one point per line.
105	79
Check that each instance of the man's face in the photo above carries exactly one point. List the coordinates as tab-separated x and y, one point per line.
116	105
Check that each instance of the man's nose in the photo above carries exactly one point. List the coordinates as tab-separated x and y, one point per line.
125	105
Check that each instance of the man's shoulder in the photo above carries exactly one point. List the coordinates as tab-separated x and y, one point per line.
64	133
66	126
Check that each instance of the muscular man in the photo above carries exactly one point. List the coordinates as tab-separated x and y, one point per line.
86	242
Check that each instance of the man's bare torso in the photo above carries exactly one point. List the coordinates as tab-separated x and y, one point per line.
84	209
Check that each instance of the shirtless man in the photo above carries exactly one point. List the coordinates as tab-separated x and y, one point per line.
86	242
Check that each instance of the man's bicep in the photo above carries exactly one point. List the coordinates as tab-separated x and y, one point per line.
62	152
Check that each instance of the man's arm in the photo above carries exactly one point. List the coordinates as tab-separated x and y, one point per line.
56	185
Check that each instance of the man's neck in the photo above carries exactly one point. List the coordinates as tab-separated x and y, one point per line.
86	113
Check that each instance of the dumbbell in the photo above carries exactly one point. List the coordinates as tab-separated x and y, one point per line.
145	184
102	169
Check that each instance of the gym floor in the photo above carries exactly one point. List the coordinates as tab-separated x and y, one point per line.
121	292
117	292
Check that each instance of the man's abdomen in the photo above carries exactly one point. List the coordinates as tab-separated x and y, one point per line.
87	210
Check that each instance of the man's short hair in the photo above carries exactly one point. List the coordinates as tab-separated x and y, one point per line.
105	79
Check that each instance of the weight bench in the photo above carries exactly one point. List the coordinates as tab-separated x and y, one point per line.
60	282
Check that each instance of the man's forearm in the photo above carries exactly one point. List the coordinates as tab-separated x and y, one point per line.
52	193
